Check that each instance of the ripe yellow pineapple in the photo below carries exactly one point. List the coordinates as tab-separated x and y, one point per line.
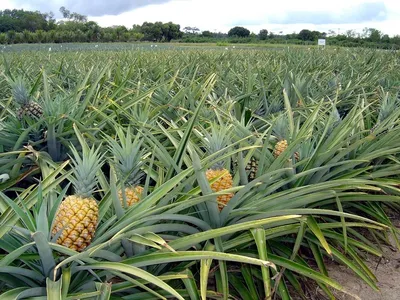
21	96
214	142
223	183
127	159
77	218
280	147
77	215
132	195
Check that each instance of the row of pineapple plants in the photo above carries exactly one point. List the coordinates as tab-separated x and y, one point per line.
178	183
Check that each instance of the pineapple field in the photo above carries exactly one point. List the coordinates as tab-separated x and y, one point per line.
195	173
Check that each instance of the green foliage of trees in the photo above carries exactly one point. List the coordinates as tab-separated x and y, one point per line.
263	34
239	32
160	32
308	35
19	26
207	34
72	16
375	35
19	20
171	31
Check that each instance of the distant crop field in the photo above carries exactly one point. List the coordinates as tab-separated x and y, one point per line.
100	47
141	46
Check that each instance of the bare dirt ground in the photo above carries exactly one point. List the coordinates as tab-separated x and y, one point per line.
387	271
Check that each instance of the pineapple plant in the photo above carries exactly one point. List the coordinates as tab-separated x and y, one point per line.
214	142
389	105
281	132
77	216
21	96
128	162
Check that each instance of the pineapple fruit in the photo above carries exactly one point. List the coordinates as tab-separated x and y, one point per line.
27	106
214	142
224	182
280	146
77	215
132	194
281	131
251	167
127	160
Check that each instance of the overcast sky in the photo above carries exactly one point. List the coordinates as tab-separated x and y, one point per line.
221	15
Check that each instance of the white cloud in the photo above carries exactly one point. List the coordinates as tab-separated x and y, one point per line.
221	15
7	4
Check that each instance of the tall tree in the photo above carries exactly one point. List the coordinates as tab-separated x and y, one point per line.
207	33
239	32
263	34
189	29
374	35
20	20
306	35
73	16
65	12
171	31
152	31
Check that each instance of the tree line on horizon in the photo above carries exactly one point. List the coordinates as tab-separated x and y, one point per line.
20	26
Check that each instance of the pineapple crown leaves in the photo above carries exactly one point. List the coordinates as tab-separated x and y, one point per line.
20	91
143	113
275	105
59	106
281	127
127	154
334	119
219	138
388	106
269	106
85	167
